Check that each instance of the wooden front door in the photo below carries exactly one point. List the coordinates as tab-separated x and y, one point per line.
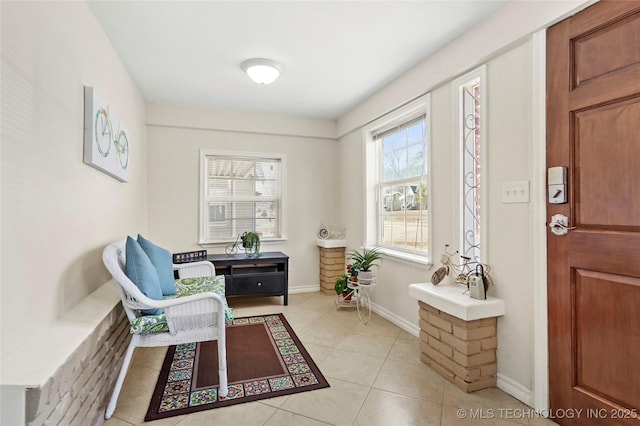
593	129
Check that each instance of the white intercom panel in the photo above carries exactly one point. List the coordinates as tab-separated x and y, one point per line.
557	181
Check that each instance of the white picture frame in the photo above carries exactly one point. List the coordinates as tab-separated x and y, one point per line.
106	140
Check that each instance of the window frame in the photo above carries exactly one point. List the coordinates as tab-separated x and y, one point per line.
480	74
372	224
204	202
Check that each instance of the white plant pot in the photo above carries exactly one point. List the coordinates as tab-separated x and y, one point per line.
366	277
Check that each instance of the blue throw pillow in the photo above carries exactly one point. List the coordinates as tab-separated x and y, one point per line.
163	263
140	270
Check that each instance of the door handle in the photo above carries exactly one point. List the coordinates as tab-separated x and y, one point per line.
559	224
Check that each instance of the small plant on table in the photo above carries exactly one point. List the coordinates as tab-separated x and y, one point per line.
251	243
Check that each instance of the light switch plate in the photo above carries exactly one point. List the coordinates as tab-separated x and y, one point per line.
515	192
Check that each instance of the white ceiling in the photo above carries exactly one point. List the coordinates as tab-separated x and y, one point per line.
335	53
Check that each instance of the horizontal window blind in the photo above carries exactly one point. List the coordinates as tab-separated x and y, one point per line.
397	126
242	194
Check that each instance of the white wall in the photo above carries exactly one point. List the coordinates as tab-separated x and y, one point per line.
510	251
57	212
177	134
504	43
509	246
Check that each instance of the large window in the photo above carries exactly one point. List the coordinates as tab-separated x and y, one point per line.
469	98
241	192
398	181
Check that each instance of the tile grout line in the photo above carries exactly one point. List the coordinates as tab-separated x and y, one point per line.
374	380
409	396
301	415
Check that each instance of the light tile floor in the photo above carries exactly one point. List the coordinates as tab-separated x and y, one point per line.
374	370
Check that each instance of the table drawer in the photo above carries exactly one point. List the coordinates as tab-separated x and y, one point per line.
272	283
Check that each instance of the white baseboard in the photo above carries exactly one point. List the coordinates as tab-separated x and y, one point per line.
304	289
395	319
515	389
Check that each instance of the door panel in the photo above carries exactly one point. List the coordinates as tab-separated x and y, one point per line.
610	42
593	128
604	329
608	134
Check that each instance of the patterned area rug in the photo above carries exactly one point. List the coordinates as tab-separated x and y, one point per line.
265	359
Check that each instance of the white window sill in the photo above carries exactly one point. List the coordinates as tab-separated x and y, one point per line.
408	258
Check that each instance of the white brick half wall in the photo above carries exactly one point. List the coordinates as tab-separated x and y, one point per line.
65	373
78	391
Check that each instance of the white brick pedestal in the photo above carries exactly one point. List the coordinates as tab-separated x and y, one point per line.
458	334
332	257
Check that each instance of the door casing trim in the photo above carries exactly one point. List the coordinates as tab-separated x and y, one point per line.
538	227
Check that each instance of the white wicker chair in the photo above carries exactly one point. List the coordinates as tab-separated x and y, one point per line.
193	318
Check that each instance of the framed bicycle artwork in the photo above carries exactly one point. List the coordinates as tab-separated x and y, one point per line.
106	142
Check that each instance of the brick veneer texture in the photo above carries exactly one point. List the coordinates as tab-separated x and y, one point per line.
331	267
463	352
79	390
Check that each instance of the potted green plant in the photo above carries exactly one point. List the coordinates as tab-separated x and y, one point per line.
365	260
341	286
251	243
353	269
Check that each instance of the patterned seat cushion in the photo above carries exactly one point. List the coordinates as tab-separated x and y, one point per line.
184	287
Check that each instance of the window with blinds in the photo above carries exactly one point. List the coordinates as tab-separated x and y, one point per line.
403	185
241	193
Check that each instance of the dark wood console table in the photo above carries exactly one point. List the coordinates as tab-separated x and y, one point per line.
266	275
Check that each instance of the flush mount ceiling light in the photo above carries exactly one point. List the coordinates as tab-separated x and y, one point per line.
262	71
